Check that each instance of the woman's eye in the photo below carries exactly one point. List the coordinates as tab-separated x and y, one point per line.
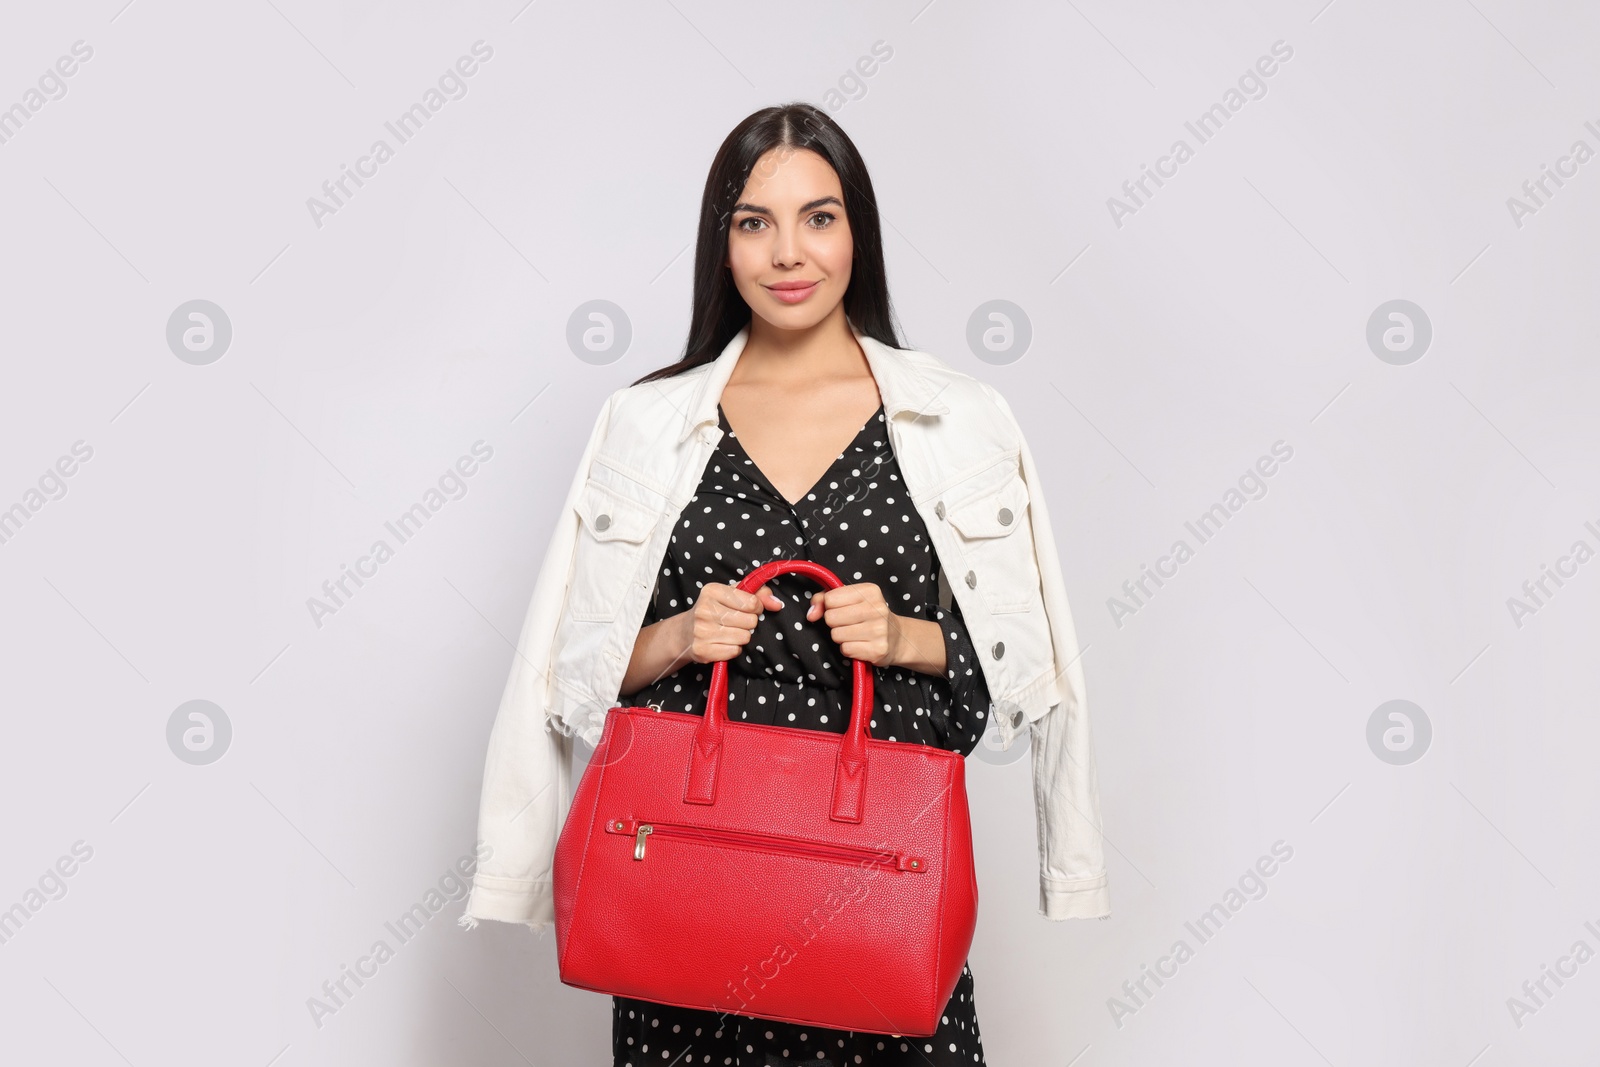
752	223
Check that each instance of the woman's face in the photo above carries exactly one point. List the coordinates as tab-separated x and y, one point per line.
789	244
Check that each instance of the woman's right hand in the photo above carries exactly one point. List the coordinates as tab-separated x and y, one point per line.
722	620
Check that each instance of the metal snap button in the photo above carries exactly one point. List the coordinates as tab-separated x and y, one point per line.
999	649
972	580
602	522
938	509
1005	516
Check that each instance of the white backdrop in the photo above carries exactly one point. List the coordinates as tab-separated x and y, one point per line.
181	493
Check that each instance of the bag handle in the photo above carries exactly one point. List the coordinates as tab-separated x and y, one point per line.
850	773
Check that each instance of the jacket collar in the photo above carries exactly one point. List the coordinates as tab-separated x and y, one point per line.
901	383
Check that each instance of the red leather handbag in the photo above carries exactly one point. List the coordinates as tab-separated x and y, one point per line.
770	871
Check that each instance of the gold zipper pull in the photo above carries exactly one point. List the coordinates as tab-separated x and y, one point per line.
638	840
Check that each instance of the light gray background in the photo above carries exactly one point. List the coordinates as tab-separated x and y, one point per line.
1167	354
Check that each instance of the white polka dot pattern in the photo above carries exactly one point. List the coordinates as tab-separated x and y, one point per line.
856	521
644	1033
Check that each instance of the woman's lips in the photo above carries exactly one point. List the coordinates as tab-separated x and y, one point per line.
793	292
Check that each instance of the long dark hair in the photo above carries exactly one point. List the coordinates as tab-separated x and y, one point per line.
719	311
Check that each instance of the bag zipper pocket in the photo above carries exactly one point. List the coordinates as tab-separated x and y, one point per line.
640	829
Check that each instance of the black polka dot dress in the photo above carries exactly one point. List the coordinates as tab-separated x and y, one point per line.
858	522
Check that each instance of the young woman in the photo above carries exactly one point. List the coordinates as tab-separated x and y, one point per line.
803	471
795	427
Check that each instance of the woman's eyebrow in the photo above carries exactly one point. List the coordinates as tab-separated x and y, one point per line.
809	205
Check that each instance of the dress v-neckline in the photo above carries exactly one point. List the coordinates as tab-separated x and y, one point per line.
722	417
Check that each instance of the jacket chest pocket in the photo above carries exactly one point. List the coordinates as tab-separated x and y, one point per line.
614	529
991	524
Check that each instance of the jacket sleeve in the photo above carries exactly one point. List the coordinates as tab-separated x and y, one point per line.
1066	791
527	784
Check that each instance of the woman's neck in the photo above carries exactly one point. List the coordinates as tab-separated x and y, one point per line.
827	350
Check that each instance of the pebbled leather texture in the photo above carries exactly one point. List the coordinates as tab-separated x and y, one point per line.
828	881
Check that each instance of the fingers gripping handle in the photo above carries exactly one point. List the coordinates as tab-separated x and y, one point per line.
850	773
861	699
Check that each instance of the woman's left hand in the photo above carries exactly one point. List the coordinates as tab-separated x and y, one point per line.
864	628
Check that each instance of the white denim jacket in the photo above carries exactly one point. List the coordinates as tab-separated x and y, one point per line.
971	477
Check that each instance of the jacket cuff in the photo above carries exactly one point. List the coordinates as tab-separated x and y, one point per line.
510	900
1080	898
